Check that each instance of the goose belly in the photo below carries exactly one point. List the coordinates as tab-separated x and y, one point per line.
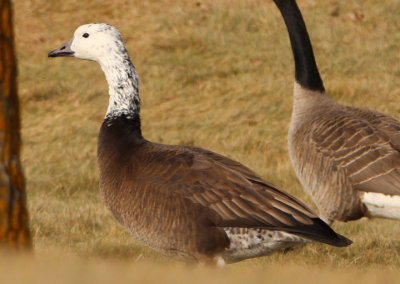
248	243
381	205
167	245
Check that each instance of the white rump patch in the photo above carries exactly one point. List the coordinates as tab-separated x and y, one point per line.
382	205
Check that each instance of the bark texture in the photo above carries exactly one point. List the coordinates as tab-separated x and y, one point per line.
14	229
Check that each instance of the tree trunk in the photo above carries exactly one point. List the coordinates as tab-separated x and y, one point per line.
14	229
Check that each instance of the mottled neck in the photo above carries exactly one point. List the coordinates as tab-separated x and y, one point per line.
123	86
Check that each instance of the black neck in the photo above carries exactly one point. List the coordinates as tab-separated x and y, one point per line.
123	128
306	73
119	138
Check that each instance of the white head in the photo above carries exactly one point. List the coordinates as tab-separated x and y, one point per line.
96	42
103	43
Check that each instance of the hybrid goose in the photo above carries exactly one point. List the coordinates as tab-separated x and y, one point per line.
184	202
347	158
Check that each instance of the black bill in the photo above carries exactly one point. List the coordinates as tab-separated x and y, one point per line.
64	50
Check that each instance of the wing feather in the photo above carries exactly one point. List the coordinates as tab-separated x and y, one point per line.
365	144
238	196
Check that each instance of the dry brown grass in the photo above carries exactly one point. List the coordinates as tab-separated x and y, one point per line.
215	74
47	269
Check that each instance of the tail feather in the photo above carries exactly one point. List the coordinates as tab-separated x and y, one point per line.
321	232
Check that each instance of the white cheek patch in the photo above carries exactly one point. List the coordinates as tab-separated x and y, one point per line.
382	205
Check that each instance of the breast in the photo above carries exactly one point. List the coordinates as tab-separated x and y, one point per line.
149	205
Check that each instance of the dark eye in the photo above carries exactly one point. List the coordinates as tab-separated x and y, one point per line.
85	35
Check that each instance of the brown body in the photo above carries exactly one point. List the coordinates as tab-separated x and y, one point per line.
179	199
340	152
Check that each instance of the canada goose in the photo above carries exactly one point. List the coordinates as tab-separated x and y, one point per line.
347	158
184	202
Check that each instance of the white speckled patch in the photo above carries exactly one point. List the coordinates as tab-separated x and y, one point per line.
248	243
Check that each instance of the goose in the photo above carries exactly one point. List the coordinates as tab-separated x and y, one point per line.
185	202
346	158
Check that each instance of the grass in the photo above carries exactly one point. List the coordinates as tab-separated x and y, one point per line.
215	74
46	269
